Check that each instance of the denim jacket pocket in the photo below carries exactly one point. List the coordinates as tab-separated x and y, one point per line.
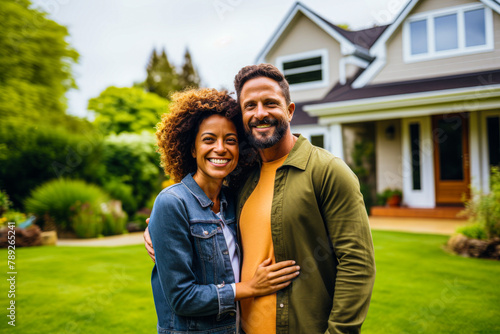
205	238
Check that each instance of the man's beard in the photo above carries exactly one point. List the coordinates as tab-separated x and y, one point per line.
262	142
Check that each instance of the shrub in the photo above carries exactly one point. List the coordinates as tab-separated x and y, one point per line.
473	231
32	154
4	202
58	200
131	160
86	220
122	192
114	218
484	209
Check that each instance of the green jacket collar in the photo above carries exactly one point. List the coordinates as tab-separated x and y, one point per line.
300	153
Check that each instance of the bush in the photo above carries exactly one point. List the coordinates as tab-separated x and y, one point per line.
4	202
58	201
114	218
32	154
132	161
473	231
484	209
86	220
122	192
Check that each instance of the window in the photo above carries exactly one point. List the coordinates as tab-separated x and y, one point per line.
448	32
493	126
318	140
415	156
307	70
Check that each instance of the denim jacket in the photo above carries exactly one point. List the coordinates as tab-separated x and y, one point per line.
192	275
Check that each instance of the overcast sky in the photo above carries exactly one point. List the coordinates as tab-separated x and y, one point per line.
115	38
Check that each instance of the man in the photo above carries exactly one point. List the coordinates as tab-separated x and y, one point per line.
303	204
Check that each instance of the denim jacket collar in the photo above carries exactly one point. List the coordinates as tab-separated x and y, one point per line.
199	194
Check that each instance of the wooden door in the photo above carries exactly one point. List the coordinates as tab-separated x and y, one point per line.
451	158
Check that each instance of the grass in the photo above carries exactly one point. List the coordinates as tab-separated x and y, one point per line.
420	288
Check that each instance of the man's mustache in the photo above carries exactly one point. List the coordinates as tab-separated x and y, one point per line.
264	121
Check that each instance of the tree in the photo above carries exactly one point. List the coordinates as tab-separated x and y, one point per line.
162	78
127	110
35	64
188	76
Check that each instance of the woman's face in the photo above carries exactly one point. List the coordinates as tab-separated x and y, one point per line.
216	148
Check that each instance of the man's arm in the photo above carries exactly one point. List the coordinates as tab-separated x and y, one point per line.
345	215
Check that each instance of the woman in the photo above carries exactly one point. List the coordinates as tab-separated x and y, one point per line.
193	225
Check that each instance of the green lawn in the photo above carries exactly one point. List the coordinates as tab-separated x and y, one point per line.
419	289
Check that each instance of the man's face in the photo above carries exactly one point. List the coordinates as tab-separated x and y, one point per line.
266	115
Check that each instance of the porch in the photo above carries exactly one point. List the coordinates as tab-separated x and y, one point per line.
439	212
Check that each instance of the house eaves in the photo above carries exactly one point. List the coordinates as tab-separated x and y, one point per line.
466	92
347	45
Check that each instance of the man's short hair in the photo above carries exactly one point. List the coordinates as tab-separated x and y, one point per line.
261	70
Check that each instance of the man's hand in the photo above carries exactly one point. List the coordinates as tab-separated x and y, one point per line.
148	243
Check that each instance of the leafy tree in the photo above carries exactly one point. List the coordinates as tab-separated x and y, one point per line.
133	173
188	76
35	64
162	77
127	110
32	154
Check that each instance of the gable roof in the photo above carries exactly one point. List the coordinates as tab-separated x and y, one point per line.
378	49
358	41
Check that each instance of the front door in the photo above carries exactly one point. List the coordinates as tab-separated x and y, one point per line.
451	157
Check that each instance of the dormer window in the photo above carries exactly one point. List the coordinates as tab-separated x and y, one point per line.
306	70
448	32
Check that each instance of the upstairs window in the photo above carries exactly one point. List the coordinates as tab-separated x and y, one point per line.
307	70
448	32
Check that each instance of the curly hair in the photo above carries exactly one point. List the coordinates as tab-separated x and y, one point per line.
176	132
261	70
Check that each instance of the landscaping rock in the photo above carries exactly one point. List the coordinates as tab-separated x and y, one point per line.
49	238
464	246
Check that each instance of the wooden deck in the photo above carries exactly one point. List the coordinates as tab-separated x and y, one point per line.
448	212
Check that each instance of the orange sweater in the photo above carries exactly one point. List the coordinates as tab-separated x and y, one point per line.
258	315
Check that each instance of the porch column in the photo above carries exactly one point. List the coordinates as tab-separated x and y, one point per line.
336	140
475	153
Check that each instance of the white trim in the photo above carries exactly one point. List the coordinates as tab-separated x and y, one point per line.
384	103
425	197
336	140
476	160
372	70
353	60
492	4
325	70
485	152
461	49
261	58
378	50
313	130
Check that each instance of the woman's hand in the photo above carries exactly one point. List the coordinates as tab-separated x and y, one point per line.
268	279
148	243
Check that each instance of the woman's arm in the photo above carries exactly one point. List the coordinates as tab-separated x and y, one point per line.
170	234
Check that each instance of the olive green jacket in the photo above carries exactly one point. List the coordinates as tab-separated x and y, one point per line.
318	219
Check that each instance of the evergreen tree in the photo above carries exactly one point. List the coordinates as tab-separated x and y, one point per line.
188	76
162	78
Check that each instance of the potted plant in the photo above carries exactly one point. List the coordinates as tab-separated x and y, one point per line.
390	197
